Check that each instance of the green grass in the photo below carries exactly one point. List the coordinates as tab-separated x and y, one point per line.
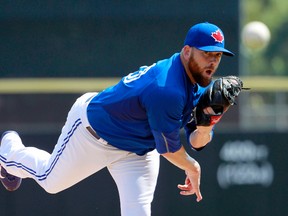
54	85
81	85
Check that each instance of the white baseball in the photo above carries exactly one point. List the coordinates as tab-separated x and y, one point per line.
255	35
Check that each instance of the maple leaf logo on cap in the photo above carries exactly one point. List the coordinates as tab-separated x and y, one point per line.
218	36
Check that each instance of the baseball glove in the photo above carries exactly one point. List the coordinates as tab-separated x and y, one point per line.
216	100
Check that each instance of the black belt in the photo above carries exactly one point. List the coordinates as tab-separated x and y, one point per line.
93	132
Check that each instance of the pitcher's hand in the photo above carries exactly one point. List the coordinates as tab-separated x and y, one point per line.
192	185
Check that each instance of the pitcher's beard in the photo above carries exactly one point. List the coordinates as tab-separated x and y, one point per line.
201	80
196	73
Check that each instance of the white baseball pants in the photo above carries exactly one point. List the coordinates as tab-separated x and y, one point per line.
78	155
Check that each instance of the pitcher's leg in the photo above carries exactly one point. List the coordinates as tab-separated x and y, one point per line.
76	155
13	153
136	178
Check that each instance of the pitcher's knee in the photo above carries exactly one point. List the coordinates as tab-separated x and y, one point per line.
51	188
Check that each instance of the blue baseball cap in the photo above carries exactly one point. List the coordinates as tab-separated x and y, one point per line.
207	37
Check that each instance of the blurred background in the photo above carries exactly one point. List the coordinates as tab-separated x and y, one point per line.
54	51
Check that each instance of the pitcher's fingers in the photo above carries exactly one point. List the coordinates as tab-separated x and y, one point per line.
199	196
184	187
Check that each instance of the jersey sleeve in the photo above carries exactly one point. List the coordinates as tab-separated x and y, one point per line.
167	142
164	110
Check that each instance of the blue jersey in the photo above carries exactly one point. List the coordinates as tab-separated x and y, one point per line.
147	108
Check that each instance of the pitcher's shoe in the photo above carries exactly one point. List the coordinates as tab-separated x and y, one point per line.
10	182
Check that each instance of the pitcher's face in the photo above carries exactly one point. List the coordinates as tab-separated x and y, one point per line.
202	65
